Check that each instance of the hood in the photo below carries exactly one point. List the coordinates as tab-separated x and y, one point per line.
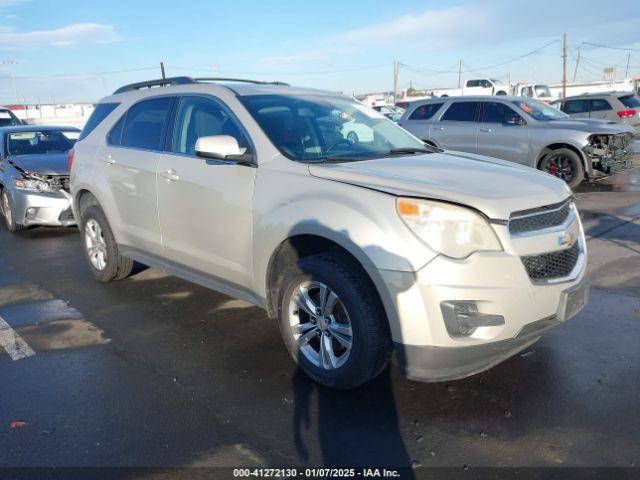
495	187
590	125
45	164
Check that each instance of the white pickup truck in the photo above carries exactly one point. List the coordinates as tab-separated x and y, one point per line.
530	90
476	86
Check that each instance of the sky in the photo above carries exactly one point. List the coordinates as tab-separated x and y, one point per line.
79	50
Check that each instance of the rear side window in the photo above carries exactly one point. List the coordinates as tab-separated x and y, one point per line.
576	106
145	123
425	112
115	135
630	101
599	104
495	112
101	112
473	83
461	112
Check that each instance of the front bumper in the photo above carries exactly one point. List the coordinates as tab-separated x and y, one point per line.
498	283
46	209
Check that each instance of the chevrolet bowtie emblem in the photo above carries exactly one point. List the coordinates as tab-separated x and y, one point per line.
565	239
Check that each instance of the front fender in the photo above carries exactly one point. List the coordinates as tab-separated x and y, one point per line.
363	222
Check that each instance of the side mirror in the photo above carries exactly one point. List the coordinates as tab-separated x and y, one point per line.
219	147
516	120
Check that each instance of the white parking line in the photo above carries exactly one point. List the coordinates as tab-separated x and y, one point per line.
13	343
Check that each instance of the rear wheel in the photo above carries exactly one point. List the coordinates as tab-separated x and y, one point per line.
332	322
8	213
100	247
564	164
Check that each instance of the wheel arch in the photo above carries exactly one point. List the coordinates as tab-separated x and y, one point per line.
301	245
558	145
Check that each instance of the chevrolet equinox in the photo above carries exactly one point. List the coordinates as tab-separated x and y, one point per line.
357	246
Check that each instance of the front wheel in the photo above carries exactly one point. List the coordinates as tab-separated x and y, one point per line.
332	321
100	247
9	217
564	164
353	138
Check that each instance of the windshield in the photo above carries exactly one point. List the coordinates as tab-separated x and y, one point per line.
39	143
539	111
542	91
7	119
313	127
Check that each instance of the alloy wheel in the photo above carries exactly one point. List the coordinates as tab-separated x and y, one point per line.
560	166
320	325
95	244
6	209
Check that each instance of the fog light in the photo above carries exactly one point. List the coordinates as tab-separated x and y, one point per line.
31	213
462	318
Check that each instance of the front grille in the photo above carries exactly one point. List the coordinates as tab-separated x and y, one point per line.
539	218
66	215
553	265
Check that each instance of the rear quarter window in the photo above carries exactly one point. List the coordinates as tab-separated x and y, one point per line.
101	112
600	104
425	112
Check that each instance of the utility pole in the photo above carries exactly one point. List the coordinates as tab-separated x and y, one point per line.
564	65
10	64
396	72
162	70
575	70
626	72
460	74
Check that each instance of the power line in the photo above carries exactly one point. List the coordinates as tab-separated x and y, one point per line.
75	75
270	74
519	57
611	47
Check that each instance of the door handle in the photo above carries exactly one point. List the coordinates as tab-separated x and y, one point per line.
486	130
170	175
109	160
438	128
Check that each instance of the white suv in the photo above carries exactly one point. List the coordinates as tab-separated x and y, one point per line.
356	247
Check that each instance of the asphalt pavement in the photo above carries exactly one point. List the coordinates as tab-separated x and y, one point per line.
155	371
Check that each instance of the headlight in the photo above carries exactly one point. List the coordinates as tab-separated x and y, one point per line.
32	185
448	229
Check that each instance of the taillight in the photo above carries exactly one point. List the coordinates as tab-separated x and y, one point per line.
626	113
71	154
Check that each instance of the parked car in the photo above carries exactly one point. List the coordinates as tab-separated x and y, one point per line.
8	119
616	107
392	112
524	131
34	175
355	248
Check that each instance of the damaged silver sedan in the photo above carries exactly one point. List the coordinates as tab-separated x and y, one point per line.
34	175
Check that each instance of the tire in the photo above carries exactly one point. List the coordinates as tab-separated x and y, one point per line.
99	243
564	164
357	306
501	92
353	137
7	213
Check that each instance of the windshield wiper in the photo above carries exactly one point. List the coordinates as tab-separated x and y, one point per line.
412	150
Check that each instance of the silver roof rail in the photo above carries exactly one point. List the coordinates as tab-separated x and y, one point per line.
164	82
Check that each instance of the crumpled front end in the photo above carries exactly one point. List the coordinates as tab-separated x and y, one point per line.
610	153
40	199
